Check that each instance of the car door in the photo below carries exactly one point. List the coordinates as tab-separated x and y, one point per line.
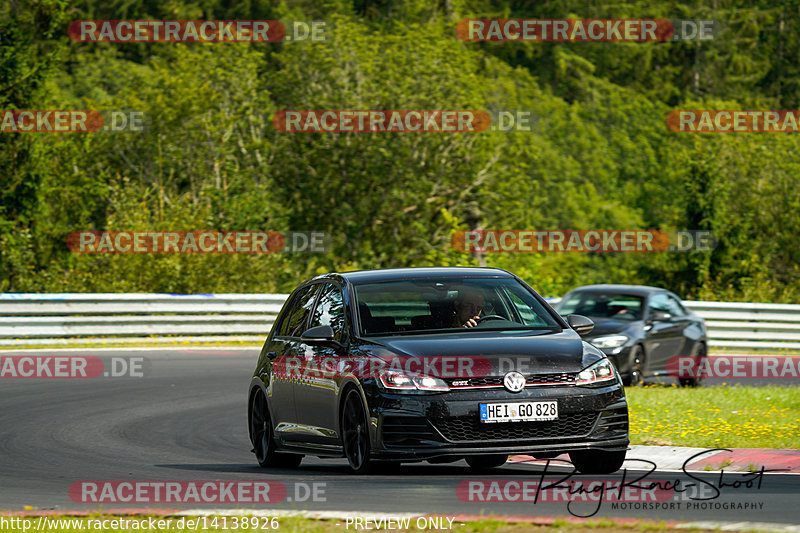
664	337
682	320
316	394
285	352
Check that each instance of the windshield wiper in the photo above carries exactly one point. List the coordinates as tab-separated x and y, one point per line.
461	330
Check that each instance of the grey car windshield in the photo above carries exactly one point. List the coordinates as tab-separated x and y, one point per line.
441	305
603	305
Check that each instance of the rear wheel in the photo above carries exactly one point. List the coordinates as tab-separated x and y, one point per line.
699	358
261	436
355	434
485	462
597	461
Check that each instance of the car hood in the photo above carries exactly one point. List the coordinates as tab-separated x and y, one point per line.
494	353
608	326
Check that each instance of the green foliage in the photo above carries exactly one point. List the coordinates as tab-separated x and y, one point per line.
599	155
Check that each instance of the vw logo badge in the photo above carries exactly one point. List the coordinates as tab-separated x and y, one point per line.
514	381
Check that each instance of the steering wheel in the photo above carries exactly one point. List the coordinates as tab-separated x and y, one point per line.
490	317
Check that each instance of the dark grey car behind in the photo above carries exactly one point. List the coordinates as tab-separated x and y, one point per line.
638	327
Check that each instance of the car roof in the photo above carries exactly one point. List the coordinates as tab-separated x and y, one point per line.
399	274
640	290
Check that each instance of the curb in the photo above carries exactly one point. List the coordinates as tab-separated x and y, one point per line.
698	459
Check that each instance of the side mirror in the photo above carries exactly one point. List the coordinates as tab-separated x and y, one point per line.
581	324
659	316
318	334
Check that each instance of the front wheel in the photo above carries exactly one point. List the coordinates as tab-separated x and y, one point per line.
262	437
355	434
597	461
485	462
636	379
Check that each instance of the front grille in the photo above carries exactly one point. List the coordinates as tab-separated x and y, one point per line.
551	378
614	420
532	379
407	431
469	428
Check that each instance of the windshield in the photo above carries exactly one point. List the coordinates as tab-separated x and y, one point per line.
442	305
603	305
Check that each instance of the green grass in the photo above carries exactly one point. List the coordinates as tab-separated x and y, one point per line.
299	524
715	417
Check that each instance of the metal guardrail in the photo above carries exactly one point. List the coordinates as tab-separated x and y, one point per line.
750	325
60	318
44	318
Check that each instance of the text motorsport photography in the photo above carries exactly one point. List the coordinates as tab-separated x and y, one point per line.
633	488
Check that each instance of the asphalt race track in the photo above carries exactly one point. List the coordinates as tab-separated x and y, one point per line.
185	419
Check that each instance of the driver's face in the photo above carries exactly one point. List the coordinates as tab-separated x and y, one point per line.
469	306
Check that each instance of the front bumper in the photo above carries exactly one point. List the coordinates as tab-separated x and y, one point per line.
420	427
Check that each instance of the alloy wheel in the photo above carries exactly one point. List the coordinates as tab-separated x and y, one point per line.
260	428
355	433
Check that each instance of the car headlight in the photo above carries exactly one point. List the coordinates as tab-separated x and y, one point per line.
599	373
395	380
610	341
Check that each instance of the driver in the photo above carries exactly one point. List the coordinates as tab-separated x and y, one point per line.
468	306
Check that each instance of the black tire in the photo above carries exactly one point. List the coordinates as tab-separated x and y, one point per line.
261	436
636	379
355	434
699	356
486	462
597	461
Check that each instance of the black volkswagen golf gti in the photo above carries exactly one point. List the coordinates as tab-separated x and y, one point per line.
435	364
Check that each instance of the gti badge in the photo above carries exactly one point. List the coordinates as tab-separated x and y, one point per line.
514	381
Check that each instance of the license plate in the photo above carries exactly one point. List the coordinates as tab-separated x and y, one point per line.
519	411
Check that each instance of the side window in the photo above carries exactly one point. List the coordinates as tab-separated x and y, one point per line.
330	310
282	322
295	321
676	309
660	302
529	318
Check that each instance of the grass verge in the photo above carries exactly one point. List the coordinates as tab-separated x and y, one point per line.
73	524
715	417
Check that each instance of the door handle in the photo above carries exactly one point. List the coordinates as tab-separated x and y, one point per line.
272	356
